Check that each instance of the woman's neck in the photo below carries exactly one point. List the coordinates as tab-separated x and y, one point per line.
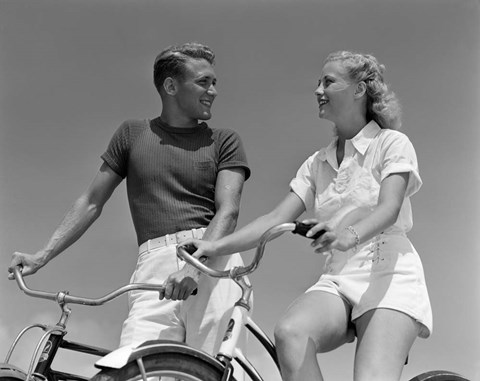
349	128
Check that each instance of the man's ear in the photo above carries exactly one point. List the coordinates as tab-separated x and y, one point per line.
361	89
170	86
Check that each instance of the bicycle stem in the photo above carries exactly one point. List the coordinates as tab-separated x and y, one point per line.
246	287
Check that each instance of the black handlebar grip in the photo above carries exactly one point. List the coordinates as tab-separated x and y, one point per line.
302	229
190	249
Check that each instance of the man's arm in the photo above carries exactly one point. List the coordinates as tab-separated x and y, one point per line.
78	219
228	191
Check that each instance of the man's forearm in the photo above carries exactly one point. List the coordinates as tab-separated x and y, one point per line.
78	219
221	225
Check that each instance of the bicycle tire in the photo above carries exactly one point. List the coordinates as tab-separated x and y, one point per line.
439	375
180	366
9	377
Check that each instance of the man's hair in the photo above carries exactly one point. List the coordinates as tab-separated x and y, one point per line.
171	61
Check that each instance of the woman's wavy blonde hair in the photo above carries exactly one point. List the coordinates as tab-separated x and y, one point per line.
382	104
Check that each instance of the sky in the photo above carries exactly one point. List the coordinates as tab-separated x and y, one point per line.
72	70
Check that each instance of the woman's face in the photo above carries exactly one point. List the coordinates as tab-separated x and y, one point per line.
335	92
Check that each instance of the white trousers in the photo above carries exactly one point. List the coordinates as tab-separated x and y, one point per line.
200	321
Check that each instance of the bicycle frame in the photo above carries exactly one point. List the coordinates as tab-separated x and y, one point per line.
240	318
48	345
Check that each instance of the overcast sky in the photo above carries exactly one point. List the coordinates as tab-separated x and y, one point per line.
72	70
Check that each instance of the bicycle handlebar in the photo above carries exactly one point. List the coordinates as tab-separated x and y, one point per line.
295	227
63	297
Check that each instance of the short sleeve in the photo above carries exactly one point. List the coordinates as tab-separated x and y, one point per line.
231	153
303	185
116	155
399	156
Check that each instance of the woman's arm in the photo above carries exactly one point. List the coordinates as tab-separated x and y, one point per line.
248	237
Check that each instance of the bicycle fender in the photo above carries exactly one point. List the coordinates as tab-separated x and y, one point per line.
11	371
122	356
115	359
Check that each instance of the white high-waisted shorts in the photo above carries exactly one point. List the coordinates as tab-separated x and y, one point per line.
385	272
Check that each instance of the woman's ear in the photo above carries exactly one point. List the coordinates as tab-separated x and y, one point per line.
170	86
361	89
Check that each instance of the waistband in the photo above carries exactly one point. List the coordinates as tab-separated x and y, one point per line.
171	239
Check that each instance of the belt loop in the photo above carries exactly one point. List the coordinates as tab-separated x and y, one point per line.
198	234
148	245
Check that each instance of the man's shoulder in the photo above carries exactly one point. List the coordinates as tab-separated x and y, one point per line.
131	128
223	133
135	124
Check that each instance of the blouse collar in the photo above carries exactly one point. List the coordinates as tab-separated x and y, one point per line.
360	142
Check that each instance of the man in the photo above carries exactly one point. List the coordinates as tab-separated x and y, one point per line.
184	180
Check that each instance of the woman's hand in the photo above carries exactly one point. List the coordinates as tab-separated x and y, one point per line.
333	238
203	248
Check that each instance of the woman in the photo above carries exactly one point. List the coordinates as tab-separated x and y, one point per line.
359	188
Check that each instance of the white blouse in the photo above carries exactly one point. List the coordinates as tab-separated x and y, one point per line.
370	156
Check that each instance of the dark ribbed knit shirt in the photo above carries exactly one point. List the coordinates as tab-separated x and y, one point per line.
171	172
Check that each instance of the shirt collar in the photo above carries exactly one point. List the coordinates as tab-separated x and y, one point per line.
361	141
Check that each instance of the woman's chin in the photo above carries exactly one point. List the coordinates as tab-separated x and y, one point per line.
324	116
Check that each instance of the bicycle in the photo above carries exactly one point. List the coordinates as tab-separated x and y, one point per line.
53	338
161	358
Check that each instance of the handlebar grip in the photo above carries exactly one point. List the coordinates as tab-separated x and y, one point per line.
190	249
302	229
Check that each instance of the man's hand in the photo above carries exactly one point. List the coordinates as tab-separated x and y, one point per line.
30	263
180	284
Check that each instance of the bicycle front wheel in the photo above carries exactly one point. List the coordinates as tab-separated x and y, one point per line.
439	375
170	366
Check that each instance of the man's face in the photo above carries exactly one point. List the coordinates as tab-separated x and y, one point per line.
196	92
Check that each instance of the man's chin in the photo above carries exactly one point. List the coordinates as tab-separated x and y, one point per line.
205	116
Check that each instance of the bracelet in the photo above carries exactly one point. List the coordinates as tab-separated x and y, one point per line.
357	237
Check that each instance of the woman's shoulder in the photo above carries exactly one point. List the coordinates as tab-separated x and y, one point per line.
387	133
388	136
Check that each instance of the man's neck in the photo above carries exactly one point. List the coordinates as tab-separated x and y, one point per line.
177	121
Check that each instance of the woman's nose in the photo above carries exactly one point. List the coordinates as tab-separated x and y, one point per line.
212	90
